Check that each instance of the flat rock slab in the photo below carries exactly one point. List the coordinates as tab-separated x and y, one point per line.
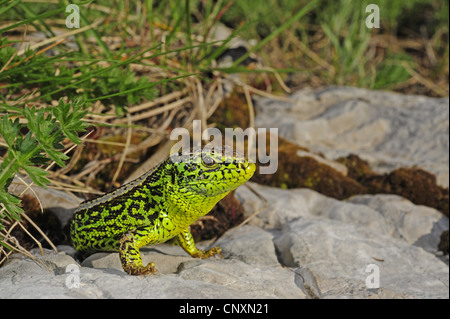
386	129
335	245
301	244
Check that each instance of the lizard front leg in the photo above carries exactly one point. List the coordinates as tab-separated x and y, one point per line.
130	255
186	241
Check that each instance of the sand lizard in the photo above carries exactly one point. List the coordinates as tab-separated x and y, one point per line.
158	206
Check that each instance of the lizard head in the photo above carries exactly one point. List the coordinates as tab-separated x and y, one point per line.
210	172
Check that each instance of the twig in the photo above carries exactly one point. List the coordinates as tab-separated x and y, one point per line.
201	103
32	190
124	153
258	210
160	110
427	83
36	54
219	99
24	252
259	92
62	36
163	99
5	67
32	237
251	115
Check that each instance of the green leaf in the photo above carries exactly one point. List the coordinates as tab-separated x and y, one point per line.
56	156
37	175
8	168
9	130
70	121
28	144
11	204
2	242
46	132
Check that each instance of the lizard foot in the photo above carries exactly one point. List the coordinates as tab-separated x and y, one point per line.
209	253
137	270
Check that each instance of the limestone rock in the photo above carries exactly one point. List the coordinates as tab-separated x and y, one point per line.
388	130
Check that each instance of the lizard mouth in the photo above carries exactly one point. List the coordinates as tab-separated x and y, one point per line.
250	170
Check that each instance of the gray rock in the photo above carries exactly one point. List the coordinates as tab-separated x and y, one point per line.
302	245
61	203
331	243
388	130
179	276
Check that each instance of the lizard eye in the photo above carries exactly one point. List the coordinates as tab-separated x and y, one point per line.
208	161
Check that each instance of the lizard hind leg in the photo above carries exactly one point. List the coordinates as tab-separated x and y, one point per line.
186	241
131	257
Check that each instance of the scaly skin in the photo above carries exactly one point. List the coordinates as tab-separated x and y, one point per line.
158	206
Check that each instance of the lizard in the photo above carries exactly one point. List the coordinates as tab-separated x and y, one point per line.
158	206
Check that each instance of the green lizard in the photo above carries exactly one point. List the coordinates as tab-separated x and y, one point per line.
158	206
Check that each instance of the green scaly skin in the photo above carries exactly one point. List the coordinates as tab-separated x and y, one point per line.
158	206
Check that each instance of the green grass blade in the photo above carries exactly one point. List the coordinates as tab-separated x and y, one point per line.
29	20
280	29
3	10
141	87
